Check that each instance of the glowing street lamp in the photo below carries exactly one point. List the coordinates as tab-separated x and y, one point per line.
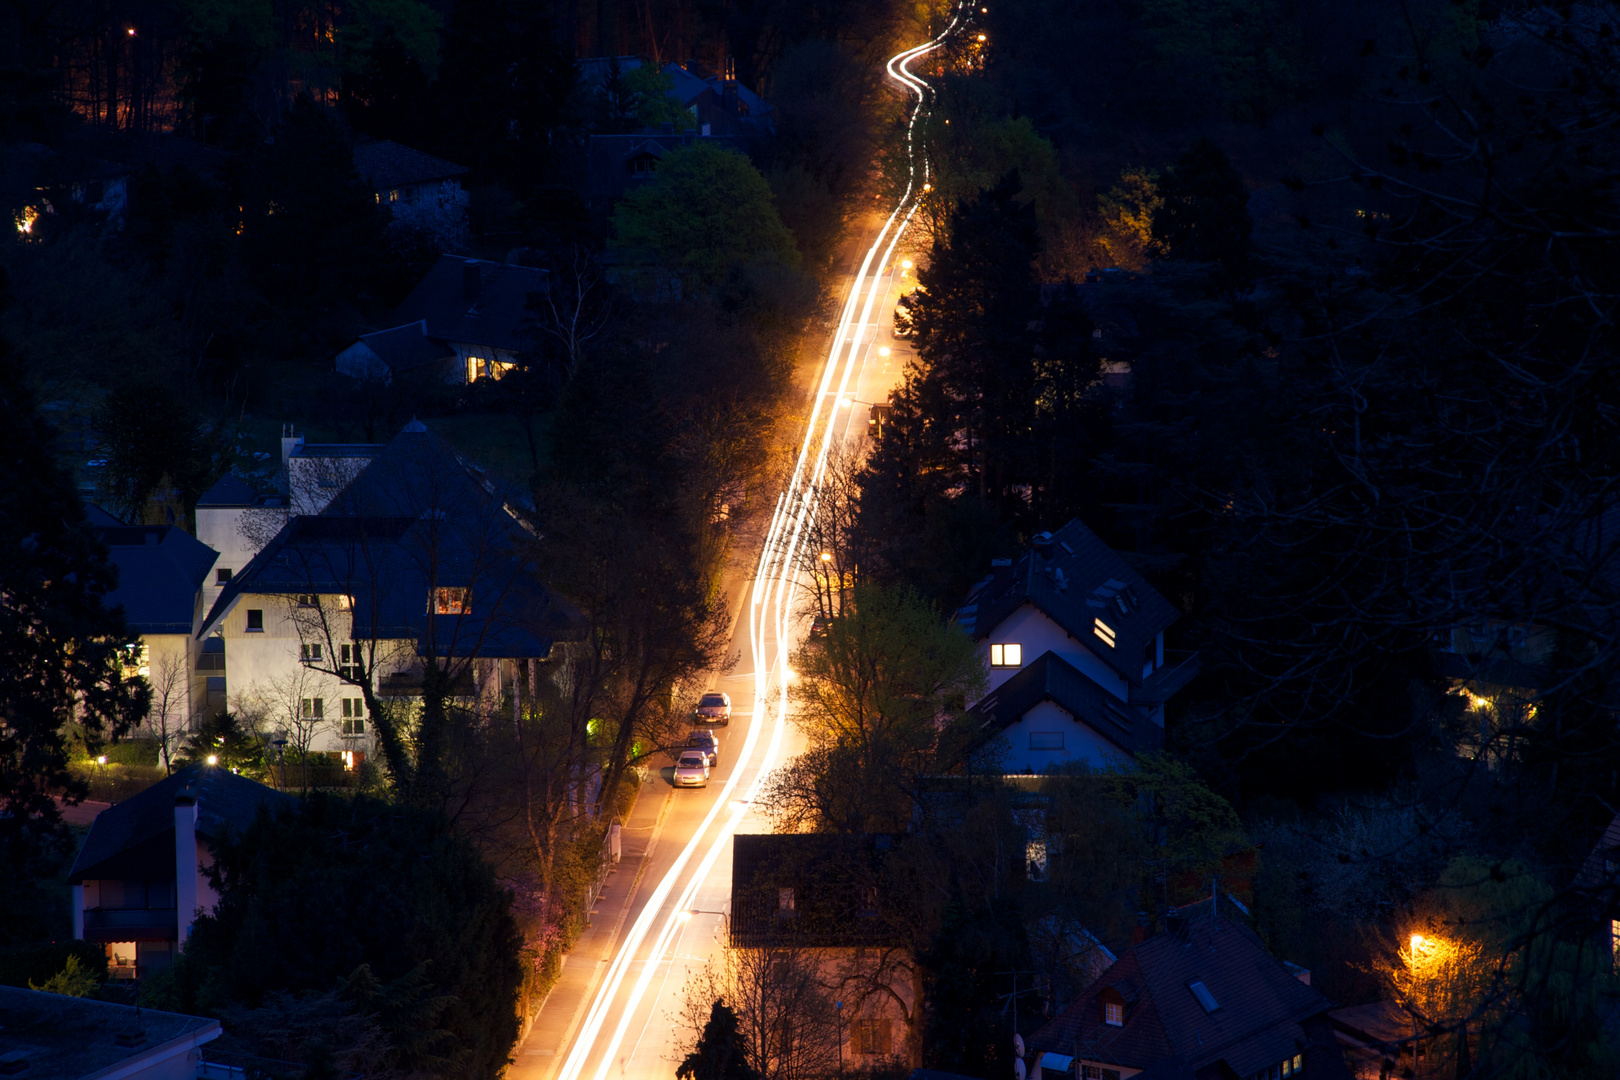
213	759
826	556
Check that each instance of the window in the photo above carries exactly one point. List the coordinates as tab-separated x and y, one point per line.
872	1036
354	716
644	165
314	708
1008	655
1114	1013
1205	998
307	600
222	577
451	601
1046	740
784	899
1104	631
1149	655
311	652
255	620
349	662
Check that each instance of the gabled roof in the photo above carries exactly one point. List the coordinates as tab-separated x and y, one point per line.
160	569
1052	678
474	302
231	491
223	799
1076	579
418	517
832	877
405	347
384	165
1261	1007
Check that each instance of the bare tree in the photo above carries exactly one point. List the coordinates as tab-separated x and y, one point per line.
295	706
783	1004
170	715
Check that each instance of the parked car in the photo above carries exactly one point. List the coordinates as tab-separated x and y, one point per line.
691	769
706	741
713	708
819	625
902	316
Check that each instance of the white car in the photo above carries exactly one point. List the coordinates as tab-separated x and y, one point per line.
692	769
713	708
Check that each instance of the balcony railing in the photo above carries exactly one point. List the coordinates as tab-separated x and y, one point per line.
127	924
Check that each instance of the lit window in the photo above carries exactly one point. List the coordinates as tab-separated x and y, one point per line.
784	899
222	577
349	760
1104	631
451	602
1008	655
255	619
314	708
1114	1013
1205	998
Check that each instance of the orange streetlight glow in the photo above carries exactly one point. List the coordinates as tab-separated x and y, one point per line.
826	556
981	37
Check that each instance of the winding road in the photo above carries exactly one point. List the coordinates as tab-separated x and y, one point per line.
675	909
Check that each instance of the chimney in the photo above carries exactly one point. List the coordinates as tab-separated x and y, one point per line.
1139	932
290	443
1041	544
1000	571
1175	922
185	861
472	281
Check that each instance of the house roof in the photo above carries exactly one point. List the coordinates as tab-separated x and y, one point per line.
160	569
1052	678
418	517
1594	871
832	877
474	302
73	1038
1076	579
223	798
405	347
1258	1020
231	491
384	165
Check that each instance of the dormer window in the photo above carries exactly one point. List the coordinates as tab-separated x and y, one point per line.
1114	1013
1103	631
1008	654
452	601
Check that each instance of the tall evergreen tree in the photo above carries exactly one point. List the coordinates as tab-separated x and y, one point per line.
722	1050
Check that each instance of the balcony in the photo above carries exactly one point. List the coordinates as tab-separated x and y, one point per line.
131	924
1176	672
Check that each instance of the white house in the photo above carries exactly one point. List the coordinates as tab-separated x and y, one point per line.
416	553
1074	641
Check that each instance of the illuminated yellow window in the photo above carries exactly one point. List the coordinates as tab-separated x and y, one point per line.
1103	631
451	601
1007	655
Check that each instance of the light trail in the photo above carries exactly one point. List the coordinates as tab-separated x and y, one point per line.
769	613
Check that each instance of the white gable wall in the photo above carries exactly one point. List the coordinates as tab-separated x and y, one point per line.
1037	634
1080	741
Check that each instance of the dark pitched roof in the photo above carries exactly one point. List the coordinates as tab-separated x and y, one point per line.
1259	1019
832	877
160	569
1076	579
417	513
223	798
66	1038
96	517
1051	678
474	301
405	347
231	491
384	165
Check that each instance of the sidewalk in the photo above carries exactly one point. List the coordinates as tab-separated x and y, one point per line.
539	1056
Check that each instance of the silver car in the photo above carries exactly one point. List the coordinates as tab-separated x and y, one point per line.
691	769
706	741
713	708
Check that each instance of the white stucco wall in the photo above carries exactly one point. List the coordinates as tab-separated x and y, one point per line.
265	672
313	482
223	529
1031	628
1081	742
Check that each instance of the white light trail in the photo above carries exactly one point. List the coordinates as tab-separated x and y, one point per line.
770	610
